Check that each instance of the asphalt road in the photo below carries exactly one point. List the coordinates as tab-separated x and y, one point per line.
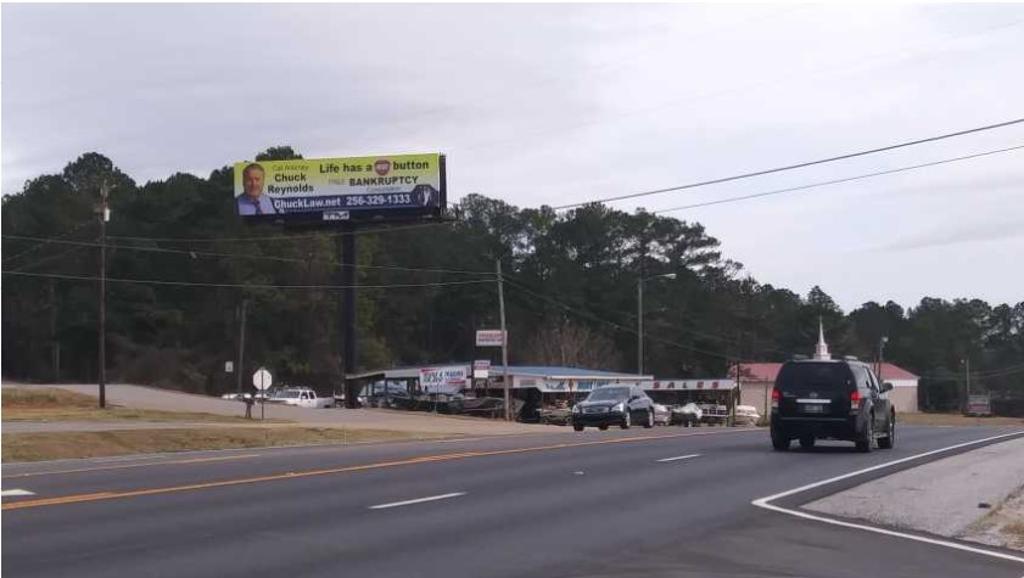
552	505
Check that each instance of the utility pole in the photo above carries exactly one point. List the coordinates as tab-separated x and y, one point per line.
504	341
640	318
967	384
104	215
241	345
347	249
640	326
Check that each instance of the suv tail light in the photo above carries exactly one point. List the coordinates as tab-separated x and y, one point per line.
854	400
776	396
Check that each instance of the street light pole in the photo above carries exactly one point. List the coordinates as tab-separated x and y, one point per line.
504	342
881	355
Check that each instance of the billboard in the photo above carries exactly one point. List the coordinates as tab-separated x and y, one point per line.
341	189
449	379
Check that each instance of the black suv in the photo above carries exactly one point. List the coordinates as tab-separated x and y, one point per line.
621	405
831	399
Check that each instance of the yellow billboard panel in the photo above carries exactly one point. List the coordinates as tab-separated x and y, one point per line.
339	188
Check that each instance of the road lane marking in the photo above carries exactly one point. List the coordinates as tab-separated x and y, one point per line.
15	492
677	458
123	466
417	501
99	496
765	503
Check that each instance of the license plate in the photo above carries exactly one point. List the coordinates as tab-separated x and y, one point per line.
814	408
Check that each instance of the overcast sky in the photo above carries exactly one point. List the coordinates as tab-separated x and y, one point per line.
541	104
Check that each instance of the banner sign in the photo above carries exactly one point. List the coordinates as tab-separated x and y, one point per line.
341	189
489	338
449	379
691	385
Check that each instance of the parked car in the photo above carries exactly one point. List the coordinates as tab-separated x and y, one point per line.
555	415
662	414
301	397
688	415
621	405
747	415
831	399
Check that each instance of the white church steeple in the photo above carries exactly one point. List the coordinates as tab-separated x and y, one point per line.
821	351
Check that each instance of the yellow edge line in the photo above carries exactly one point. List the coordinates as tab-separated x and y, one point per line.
123	466
78	498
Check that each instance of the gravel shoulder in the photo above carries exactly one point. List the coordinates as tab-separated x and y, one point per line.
151	398
944	497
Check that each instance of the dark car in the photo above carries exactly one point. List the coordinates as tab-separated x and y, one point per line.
621	405
831	399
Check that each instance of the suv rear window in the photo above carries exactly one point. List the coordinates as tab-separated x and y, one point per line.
802	378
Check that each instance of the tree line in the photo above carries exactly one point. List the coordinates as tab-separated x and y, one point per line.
181	264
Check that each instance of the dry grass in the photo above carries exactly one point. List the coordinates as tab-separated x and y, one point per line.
25	447
956	420
52	404
1014	532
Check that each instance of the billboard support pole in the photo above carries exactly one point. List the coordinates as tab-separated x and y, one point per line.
347	248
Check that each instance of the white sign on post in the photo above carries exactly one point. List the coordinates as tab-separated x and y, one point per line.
262	379
481	369
229	367
490	338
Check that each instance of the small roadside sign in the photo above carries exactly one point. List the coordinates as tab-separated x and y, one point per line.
490	337
229	367
481	368
262	379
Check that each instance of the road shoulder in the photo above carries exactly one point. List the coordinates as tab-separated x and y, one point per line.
942	497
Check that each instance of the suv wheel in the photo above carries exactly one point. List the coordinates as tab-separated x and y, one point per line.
779	443
866	442
888	441
603	427
807	442
627	420
650	419
577	427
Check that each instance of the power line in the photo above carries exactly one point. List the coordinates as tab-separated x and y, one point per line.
245	285
194	253
618	326
283	237
46	259
837	181
54	239
797	165
695	332
988	374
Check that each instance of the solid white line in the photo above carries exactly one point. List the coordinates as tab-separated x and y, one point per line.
16	492
417	501
764	503
679	458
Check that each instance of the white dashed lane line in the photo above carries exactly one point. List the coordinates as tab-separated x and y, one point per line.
417	501
677	458
16	492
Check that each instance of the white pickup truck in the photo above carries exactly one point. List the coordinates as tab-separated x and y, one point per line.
301	397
